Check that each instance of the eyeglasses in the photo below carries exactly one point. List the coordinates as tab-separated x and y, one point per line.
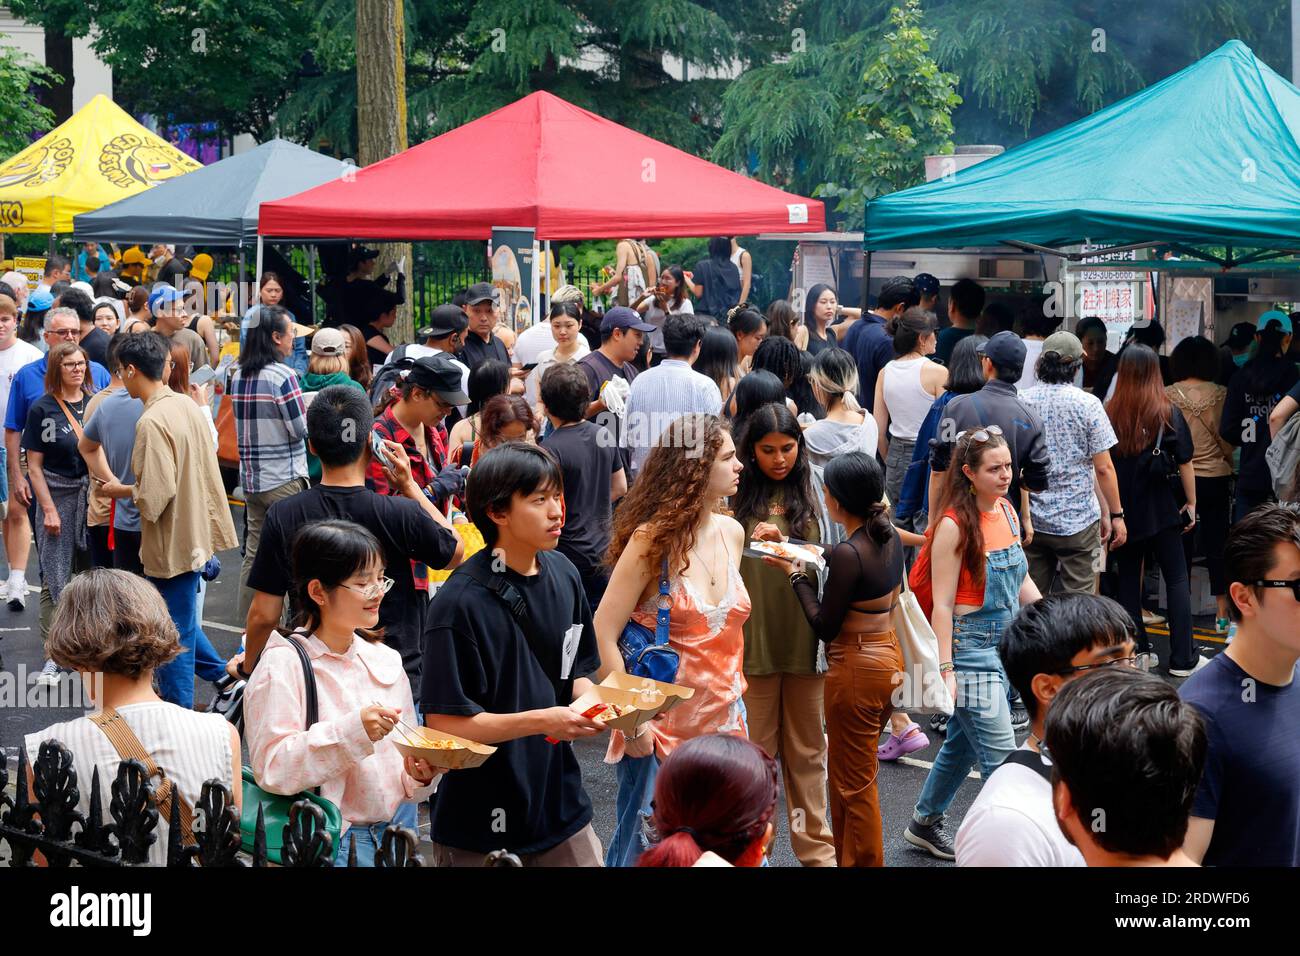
1130	661
1292	586
983	434
372	591
68	334
74	365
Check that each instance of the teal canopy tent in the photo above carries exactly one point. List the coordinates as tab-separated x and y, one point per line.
1209	156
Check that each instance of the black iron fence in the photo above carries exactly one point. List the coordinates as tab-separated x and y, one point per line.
51	825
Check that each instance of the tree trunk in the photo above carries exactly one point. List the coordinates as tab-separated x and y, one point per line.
58	57
381	114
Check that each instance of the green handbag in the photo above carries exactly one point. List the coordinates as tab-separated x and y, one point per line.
275	806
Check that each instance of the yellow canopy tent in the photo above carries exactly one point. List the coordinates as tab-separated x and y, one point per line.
100	155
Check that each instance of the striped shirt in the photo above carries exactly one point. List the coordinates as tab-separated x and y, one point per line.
191	747
271	424
659	397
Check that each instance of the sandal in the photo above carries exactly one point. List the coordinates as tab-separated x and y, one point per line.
910	740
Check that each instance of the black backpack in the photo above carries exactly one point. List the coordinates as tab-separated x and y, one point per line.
390	374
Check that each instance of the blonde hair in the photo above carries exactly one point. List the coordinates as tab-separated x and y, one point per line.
111	622
326	364
845	389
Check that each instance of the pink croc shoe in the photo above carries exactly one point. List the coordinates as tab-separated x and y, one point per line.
912	739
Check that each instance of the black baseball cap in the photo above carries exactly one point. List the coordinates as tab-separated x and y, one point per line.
443	321
480	292
362	253
440	375
925	284
1005	350
621	317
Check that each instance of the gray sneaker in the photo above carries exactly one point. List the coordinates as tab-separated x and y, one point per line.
932	838
49	676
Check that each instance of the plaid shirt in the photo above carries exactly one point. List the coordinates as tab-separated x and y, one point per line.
271	422
387	426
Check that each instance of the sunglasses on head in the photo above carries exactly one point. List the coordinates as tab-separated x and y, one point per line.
983	434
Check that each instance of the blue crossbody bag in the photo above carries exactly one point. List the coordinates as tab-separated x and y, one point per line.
647	653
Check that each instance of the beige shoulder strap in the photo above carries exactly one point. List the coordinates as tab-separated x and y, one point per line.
72	419
128	747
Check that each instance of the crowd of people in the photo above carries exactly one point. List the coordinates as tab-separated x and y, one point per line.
457	532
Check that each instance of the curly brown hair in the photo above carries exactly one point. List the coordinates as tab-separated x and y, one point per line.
111	622
670	491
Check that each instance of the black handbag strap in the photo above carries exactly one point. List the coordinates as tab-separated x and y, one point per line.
1034	761
309	682
509	595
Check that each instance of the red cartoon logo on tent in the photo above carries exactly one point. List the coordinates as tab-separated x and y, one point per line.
130	159
42	165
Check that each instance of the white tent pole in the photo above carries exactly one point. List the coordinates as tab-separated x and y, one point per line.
257	276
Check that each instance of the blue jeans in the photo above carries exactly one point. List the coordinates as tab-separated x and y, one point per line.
176	677
370	836
980	727
636	788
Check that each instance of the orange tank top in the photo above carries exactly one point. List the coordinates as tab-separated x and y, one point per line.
1001	530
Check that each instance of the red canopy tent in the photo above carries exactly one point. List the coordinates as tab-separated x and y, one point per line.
545	164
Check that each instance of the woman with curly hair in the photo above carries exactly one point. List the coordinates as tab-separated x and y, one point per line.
669	525
774	502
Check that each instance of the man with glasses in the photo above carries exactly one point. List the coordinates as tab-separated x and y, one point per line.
61	325
1247	811
411	530
1050	643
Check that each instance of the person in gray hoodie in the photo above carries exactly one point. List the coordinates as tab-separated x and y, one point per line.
845	428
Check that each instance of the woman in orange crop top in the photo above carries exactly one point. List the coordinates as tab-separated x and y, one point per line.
980	579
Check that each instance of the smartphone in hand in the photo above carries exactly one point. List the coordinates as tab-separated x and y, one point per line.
377	448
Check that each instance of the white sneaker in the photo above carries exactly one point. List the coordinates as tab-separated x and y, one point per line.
1188	672
49	676
4	590
1148	661
17	597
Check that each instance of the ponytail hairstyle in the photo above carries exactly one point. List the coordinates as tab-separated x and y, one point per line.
857	483
330	552
959	498
756	491
744	319
715	793
835	375
909	327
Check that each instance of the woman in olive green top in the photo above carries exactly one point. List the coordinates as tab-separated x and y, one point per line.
784	703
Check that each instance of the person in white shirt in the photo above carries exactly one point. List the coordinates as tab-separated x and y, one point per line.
1035	328
1050	643
565	326
536	339
14	354
671	389
446	328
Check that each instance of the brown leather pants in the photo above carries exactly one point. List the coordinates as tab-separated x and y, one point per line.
859	686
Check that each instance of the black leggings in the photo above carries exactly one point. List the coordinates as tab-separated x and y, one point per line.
1166	549
1213	515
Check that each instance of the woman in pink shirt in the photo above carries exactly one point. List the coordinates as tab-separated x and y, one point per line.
361	688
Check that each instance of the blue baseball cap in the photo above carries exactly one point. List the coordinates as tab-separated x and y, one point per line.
163	294
39	301
621	317
1274	315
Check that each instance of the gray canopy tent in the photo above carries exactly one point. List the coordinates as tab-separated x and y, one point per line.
216	205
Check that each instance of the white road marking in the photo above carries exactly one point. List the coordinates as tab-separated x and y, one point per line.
223	627
927	765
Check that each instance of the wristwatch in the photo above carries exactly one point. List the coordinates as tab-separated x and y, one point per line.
1117	516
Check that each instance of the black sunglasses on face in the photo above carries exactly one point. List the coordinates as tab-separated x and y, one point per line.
1292	586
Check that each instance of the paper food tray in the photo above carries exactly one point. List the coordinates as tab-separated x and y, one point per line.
470	753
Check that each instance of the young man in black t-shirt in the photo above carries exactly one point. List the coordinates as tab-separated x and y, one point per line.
593	475
506	677
410	528
1247	811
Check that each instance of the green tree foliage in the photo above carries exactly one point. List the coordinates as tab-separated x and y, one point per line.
21	115
902	115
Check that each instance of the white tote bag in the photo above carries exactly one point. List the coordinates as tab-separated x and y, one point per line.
920	689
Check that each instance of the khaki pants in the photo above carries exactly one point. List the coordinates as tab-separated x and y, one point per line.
255	508
785	716
581	849
1078	554
859	689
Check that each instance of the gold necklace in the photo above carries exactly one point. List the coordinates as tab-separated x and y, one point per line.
713	581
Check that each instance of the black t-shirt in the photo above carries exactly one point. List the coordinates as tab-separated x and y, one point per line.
1252	765
405	533
600	370
373	354
475	351
528	796
95	344
588	457
171	270
721	282
49	432
1253	392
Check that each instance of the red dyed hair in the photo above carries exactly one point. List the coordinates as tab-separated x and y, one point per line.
714	793
1139	406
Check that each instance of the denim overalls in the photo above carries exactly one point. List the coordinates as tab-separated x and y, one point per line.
980	727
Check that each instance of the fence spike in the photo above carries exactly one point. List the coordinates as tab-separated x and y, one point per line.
174	844
259	839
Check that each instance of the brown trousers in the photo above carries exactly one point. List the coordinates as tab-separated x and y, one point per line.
859	686
786	717
581	849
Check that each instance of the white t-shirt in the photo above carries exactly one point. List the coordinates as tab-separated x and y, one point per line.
532	342
1028	377
1012	823
414	351
11	360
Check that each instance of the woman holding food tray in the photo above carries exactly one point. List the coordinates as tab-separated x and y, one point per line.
784	702
694	461
864	573
361	689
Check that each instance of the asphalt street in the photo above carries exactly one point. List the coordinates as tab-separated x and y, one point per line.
24	709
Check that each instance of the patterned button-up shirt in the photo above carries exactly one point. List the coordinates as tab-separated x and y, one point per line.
1075	427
